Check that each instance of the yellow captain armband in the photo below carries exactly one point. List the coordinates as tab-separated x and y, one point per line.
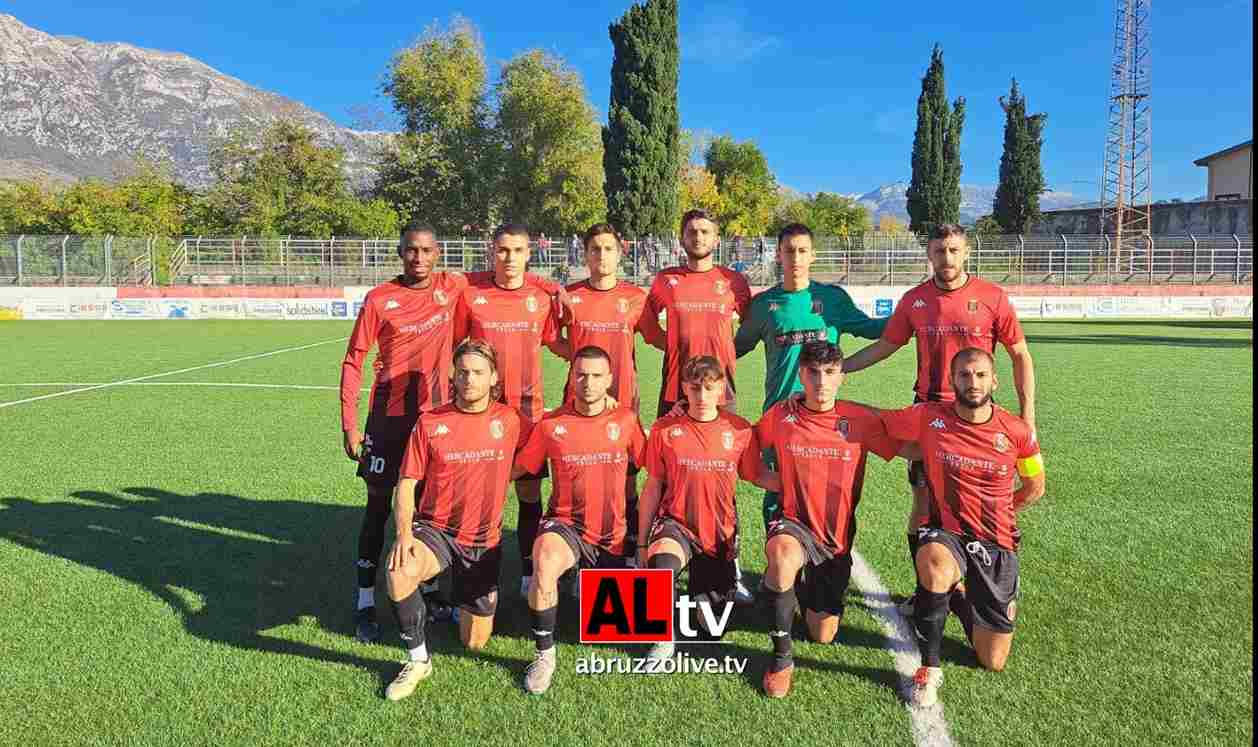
1031	466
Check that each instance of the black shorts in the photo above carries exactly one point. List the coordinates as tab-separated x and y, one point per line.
588	555
708	574
384	443
474	570
825	577
990	572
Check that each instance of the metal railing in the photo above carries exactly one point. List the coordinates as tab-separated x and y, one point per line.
861	259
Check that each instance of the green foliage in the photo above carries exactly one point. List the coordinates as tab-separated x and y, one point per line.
934	193
825	213
552	177
1017	202
748	189
988	226
641	149
30	207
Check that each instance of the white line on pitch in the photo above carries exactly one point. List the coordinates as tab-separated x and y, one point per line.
186	383
929	726
94	387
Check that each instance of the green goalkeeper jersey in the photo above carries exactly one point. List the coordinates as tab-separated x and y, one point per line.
785	320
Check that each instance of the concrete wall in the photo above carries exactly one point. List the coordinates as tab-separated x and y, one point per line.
1232	174
1219	217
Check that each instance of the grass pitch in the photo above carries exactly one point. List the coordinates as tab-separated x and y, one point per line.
179	561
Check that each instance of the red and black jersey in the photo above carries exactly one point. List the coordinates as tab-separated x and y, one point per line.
609	319
699	464
589	460
464	460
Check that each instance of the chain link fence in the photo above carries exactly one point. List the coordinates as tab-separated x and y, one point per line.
864	259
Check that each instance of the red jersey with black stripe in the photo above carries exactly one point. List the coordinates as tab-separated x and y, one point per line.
945	322
516	324
608	319
971	466
700	464
412	328
464	460
699	309
589	460
821	459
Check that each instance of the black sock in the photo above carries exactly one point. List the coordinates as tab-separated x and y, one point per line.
780	609
370	544
544	627
631	526
526	531
961	607
929	617
410	619
670	561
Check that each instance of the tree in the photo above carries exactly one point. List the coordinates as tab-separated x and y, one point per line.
987	226
444	168
697	189
749	192
934	193
29	207
640	141
825	213
888	224
552	177
1016	206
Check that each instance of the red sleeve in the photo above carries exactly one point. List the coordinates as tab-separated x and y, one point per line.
546	284
874	438
742	293
655	455
550	328
460	326
637	441
766	426
532	455
904	424
899	329
649	326
1008	330
751	462
525	429
655	299
366	327
415	458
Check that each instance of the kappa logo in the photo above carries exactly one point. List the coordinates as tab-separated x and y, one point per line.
675	433
441	430
479	301
672	282
391	304
440	297
613	431
727	440
720	287
972	305
560	431
496	428
790	419
530	303
842	427
919	304
774	307
1001	442
937	424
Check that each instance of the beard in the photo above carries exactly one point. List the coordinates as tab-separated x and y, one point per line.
975	401
698	252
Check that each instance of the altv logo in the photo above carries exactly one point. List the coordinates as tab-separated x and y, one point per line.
633	605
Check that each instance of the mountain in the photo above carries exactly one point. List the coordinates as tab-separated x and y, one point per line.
976	201
71	108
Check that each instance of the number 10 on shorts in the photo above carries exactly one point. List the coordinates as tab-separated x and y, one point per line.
629	605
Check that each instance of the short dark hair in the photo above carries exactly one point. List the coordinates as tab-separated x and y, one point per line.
967	353
590	353
696	214
416	227
598	229
509	229
702	368
794	229
820	353
944	230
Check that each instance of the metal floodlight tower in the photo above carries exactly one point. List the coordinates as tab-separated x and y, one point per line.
1125	192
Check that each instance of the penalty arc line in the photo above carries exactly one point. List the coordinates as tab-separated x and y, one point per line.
928	724
170	373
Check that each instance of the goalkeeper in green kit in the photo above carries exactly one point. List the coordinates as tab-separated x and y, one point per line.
791	313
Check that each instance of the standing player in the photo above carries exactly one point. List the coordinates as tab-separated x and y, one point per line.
409	317
821	445
971	449
791	314
699	301
948	313
605	313
687	516
462	453
516	312
590	448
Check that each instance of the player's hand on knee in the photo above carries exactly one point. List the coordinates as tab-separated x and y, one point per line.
353	442
402	554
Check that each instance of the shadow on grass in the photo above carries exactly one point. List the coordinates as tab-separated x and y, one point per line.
234	568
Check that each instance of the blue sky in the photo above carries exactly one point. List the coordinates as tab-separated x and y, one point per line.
827	89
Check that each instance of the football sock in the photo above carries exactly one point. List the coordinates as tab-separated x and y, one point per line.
544	627
530	516
366	597
370	544
410	613
669	561
419	653
631	525
931	614
781	614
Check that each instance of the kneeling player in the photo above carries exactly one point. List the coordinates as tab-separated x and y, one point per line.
463	453
971	449
694	461
821	445
590	448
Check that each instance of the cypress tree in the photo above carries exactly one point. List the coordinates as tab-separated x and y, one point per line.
1016	206
934	193
640	141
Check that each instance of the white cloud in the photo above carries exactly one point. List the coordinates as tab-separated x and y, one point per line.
722	38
